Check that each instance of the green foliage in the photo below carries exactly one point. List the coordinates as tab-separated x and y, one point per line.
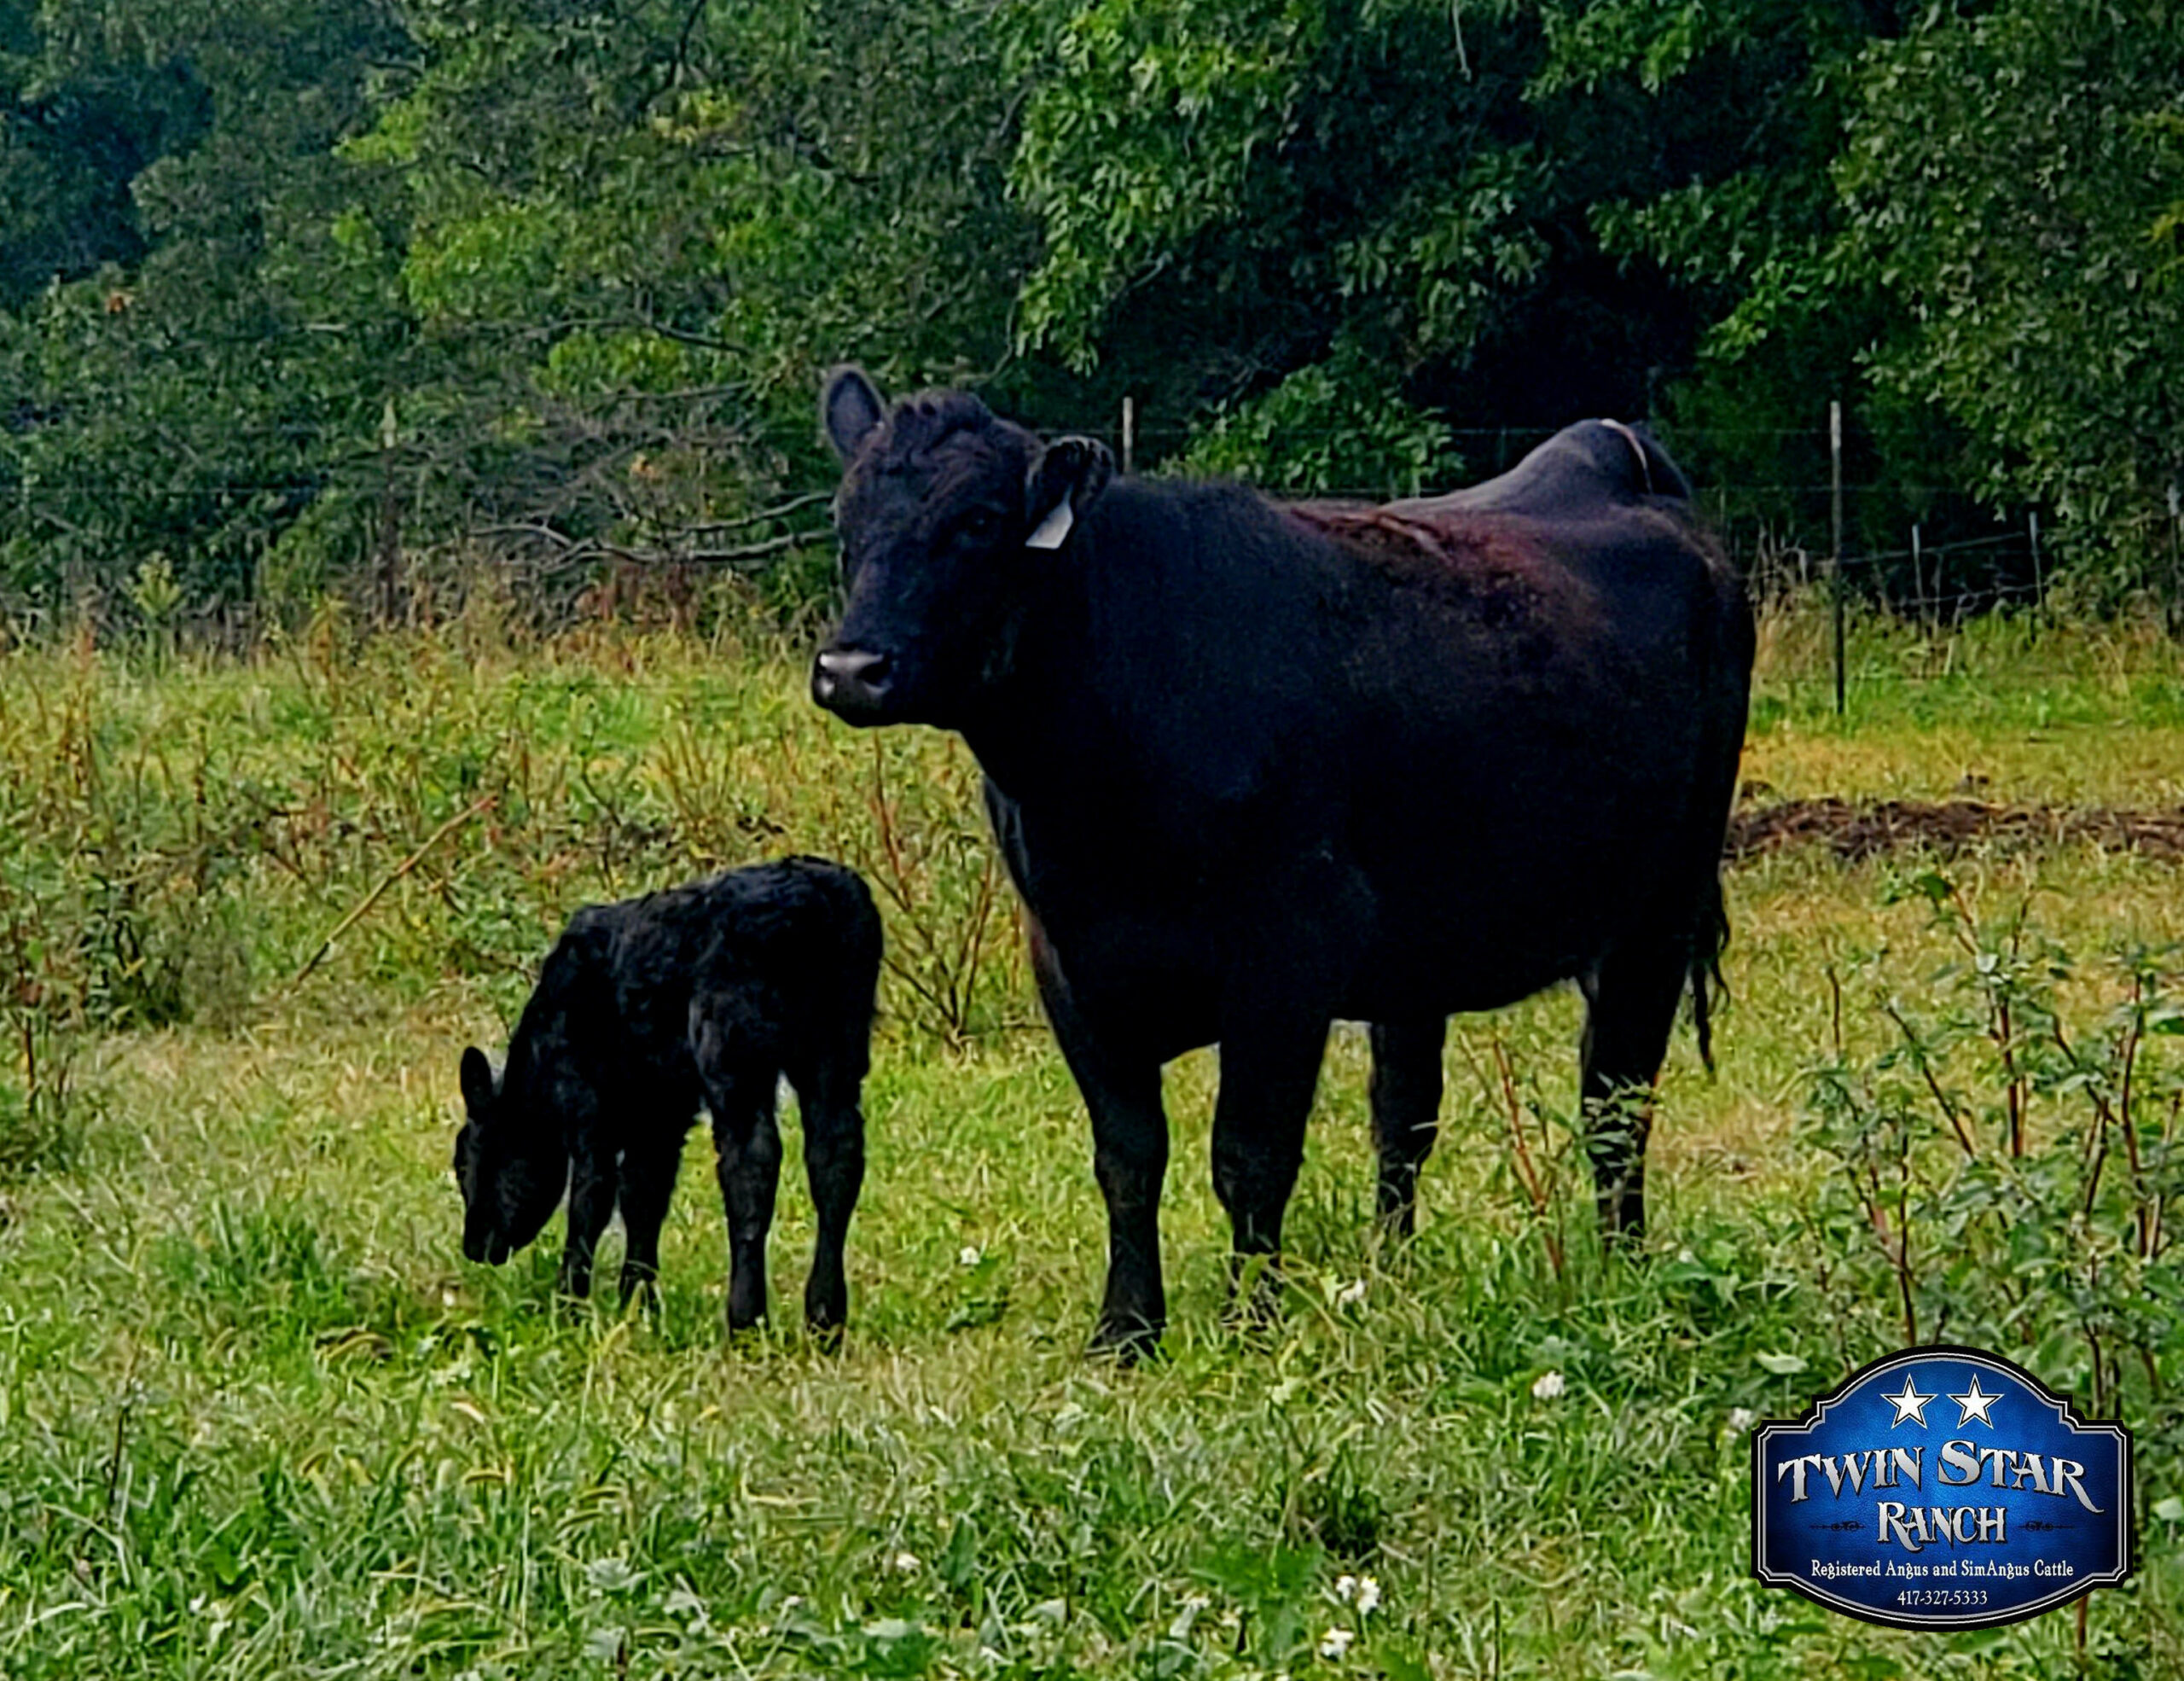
2010	1173
1326	429
1141	135
353	300
2003	174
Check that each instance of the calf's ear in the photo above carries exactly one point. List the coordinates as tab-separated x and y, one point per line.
850	407
1065	480
476	1081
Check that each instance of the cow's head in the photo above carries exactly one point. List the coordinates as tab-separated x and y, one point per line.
512	1173
945	514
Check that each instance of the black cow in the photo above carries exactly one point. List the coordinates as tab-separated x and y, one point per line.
1256	766
708	993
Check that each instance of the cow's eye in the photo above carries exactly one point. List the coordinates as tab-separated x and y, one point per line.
980	525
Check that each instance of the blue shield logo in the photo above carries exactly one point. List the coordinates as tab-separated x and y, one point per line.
1941	1489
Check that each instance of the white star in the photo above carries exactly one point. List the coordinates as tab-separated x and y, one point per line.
1908	1404
1973	1404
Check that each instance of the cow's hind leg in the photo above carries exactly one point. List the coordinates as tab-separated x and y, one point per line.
647	1185
1129	1156
1632	998
1406	1113
1269	1069
834	1158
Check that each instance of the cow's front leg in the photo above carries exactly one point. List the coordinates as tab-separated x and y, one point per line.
592	1183
1129	1156
1269	1069
1406	1113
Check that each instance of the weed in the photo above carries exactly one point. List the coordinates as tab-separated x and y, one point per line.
2010	1166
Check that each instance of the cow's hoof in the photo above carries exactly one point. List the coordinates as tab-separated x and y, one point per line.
746	1330
825	1334
1254	1295
1127	1342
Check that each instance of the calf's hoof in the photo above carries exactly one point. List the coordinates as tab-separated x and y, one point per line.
826	1311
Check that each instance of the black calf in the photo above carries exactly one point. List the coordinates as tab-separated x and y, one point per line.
703	994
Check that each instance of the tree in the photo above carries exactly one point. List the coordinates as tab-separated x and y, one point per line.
2006	176
191	378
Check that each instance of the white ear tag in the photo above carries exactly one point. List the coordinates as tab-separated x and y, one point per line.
1053	530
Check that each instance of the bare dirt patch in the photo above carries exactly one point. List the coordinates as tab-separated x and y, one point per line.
1854	831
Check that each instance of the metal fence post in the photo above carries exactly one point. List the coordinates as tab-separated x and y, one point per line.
1835	563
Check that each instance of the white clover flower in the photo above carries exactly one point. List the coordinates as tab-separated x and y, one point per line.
1351	1293
447	1298
1368	1596
1346	1587
1742	1419
1335	1641
1547	1385
908	1563
969	1255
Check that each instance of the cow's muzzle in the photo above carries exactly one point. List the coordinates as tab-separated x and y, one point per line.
852	684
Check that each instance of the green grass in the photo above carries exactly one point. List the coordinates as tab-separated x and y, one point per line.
257	1417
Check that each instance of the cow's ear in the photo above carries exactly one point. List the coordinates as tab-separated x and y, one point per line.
850	407
1065	481
477	1082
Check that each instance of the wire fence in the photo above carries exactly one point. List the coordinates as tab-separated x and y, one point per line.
594	498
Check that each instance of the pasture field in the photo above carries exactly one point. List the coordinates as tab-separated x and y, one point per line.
258	1418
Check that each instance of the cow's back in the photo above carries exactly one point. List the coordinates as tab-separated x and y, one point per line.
1546	701
1580	468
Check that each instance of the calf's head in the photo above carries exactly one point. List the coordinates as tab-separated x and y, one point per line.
512	1168
945	514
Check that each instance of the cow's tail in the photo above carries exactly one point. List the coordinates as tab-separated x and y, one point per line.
1728	638
1662	476
1657	475
1710	937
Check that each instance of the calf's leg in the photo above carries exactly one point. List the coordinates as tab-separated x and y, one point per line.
1632	998
1269	1069
592	1185
1129	1156
834	1160
1406	1113
648	1183
749	1143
